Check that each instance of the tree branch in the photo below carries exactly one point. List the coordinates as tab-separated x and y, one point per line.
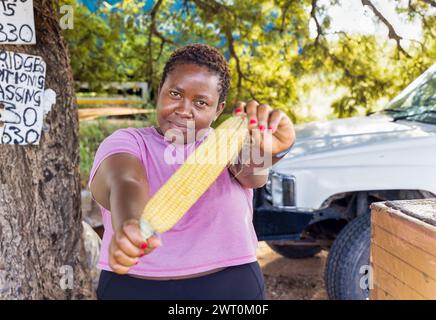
232	51
392	33
153	22
284	14
319	32
162	43
211	7
341	33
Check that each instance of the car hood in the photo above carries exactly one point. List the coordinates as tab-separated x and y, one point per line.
327	136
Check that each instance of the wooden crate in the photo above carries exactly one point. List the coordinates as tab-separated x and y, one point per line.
403	250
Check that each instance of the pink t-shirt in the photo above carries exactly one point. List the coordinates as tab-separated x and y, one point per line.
217	231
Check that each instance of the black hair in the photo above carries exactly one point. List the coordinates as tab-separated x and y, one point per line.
201	55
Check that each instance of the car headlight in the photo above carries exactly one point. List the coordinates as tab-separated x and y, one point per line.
282	190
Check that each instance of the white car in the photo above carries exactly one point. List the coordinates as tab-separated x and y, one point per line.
318	196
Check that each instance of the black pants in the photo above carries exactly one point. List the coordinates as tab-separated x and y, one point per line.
242	282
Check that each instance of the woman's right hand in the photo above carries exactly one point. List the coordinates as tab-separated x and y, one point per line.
128	246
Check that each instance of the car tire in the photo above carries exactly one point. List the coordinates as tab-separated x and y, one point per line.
295	251
348	261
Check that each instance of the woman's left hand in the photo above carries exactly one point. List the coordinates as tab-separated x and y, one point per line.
271	129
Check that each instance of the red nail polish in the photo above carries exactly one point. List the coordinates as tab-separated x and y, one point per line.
262	128
253	121
144	245
237	110
141	255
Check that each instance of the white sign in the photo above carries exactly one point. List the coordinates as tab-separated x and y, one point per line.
17	24
22	80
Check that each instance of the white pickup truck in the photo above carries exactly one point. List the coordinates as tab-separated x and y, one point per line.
318	196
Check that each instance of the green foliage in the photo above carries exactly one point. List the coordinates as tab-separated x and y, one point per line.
92	133
93	47
272	54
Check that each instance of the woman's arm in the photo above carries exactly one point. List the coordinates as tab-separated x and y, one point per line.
272	133
246	176
120	185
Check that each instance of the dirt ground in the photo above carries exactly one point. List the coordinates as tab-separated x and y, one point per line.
292	279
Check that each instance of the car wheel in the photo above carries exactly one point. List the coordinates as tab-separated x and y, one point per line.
347	264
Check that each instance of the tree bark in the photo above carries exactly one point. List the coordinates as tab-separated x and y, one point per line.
40	214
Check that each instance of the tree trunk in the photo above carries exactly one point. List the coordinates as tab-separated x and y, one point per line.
40	214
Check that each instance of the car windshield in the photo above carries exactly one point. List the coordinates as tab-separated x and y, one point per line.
418	101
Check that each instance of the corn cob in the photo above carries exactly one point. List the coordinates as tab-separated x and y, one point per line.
194	177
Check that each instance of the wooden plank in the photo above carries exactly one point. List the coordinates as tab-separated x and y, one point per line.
393	286
405	251
407	228
93	113
109	101
422	209
404	272
420	225
379	294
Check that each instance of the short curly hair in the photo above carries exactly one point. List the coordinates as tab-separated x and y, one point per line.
201	55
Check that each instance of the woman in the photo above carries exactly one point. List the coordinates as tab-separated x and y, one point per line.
211	252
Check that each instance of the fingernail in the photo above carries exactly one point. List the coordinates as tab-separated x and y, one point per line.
141	255
253	121
262	128
270	128
144	245
237	110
